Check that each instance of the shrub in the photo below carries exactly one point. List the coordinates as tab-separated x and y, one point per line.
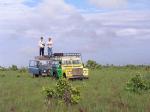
92	65
13	67
137	84
63	91
23	70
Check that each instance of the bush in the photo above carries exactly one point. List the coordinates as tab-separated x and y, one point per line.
23	70
92	65
3	68
64	92
14	68
137	84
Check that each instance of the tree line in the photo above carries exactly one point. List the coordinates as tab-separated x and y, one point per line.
90	64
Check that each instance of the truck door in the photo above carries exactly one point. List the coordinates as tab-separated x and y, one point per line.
34	67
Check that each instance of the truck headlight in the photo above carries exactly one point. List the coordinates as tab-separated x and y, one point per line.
85	72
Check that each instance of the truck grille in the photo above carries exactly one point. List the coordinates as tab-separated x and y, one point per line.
77	71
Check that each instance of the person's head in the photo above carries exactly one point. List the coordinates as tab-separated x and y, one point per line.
41	38
60	62
49	39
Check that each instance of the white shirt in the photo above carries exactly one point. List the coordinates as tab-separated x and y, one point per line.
49	44
41	44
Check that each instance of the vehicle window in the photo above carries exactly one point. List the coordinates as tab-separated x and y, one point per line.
43	62
66	62
76	61
55	62
33	63
46	63
49	63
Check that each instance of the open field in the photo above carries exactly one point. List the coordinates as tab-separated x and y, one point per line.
103	92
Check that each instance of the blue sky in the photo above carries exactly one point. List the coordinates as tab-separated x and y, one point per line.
131	4
84	4
110	31
32	3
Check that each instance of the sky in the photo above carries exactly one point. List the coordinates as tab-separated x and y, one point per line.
107	31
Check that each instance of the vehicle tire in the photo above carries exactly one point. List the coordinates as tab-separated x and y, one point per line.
48	72
64	75
54	74
81	79
36	75
40	73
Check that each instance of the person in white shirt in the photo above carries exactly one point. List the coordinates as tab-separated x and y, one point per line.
49	46
41	46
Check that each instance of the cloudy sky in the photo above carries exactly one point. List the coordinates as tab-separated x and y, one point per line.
108	31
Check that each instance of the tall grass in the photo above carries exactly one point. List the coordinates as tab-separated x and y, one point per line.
103	92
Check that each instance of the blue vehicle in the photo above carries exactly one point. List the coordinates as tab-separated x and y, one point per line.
40	67
45	66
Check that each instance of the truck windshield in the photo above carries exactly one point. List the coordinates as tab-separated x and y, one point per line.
76	62
33	63
67	62
45	63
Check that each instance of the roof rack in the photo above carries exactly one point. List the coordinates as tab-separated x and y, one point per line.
66	54
56	56
45	57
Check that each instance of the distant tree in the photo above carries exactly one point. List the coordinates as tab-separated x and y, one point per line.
131	66
98	66
14	67
92	64
23	70
2	68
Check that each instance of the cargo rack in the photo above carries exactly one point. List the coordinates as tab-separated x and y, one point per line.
57	55
45	57
66	54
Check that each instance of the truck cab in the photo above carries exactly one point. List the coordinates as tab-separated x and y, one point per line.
72	65
40	67
45	66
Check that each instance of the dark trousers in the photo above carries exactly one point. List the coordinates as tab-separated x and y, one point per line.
42	51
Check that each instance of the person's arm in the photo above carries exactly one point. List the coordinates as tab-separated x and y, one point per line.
43	43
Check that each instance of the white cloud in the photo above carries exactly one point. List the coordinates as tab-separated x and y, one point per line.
127	32
91	34
108	3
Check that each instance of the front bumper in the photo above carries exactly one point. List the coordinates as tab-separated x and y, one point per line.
78	77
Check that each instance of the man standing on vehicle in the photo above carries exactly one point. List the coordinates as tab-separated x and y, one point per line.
49	46
41	46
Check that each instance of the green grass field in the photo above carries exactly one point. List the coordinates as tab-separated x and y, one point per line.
103	92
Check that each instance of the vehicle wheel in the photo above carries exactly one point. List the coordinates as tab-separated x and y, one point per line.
81	79
48	72
36	75
55	74
40	73
64	75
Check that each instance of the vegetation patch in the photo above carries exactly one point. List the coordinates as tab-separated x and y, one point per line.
63	92
138	84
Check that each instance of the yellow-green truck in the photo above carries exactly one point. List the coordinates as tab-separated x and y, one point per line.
72	65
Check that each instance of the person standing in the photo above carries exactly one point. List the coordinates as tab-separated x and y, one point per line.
41	46
49	46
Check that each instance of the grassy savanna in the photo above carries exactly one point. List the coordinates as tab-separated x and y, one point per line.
103	92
